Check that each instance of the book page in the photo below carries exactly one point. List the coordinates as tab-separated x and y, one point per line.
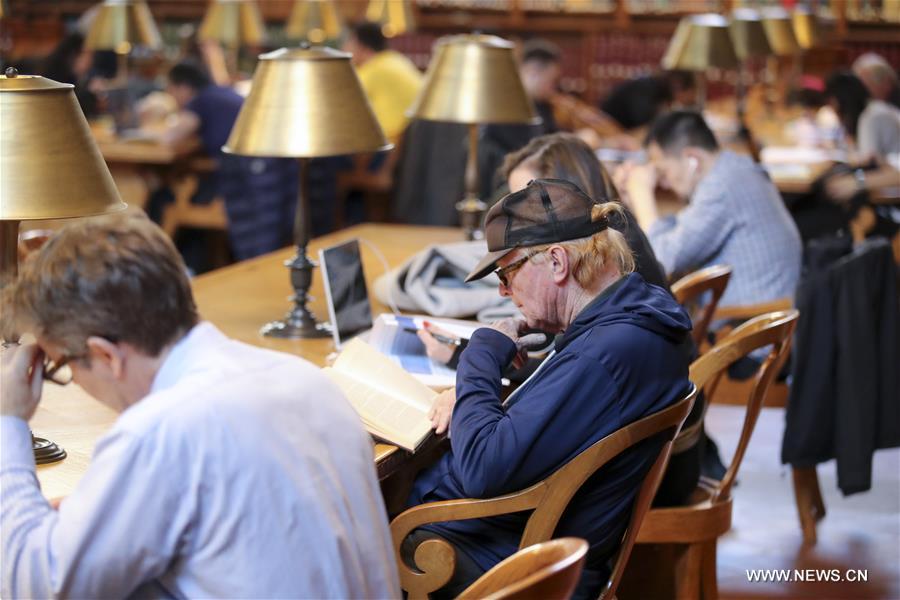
362	362
385	416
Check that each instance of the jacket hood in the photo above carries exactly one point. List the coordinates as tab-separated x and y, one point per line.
632	300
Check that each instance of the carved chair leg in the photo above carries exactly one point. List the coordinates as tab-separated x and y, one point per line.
810	506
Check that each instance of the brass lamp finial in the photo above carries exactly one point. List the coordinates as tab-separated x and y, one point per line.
122	24
233	23
314	20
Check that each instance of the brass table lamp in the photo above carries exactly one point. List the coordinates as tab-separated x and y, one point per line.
779	31
806	28
473	79
305	103
750	41
314	21
50	168
233	24
701	42
395	16
120	25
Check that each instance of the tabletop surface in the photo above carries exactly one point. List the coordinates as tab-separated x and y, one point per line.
238	299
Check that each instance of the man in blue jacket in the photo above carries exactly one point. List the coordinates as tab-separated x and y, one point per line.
622	356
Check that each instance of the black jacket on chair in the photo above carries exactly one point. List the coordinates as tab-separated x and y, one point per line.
845	394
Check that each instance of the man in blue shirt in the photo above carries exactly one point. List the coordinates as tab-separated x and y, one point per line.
231	470
623	355
734	215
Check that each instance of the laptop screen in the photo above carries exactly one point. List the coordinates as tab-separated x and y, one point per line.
345	291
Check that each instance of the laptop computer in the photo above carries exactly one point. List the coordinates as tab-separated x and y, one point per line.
350	313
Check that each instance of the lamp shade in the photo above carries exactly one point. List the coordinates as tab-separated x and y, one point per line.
50	167
120	24
314	20
233	23
747	34
473	79
806	28
700	42
305	103
395	16
779	31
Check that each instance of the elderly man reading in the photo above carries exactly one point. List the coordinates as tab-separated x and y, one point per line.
622	356
232	471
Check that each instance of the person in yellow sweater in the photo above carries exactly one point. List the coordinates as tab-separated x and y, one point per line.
391	81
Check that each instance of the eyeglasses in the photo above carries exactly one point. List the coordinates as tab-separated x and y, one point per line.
503	273
59	372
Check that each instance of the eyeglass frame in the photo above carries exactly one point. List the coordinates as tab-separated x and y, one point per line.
502	273
52	367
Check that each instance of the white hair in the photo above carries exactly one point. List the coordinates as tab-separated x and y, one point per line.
875	66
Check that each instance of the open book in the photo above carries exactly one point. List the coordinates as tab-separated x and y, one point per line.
392	404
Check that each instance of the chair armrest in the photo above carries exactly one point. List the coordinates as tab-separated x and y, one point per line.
748	311
435	559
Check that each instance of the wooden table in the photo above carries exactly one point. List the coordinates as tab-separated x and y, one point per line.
139	166
238	299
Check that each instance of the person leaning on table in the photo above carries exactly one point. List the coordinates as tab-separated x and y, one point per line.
622	356
230	471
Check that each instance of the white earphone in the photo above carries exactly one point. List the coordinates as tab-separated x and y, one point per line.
693	163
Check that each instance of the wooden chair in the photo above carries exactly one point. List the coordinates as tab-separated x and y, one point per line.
691	288
435	560
699	524
807	492
730	391
549	570
183	213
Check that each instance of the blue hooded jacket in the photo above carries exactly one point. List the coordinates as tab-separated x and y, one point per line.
623	358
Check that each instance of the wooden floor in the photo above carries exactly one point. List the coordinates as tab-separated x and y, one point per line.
859	532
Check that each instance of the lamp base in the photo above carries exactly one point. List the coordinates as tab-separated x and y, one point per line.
45	451
471	212
293	327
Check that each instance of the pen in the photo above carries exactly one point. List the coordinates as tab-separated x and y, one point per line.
441	338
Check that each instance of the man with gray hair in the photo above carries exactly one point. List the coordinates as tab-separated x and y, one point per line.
878	76
232	471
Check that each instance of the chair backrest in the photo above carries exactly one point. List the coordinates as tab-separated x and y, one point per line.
566	481
548	570
775	329
692	286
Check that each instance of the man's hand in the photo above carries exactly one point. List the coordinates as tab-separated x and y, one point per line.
437	351
513	329
21	379
841	188
442	410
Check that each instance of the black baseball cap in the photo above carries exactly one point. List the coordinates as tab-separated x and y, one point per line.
545	211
